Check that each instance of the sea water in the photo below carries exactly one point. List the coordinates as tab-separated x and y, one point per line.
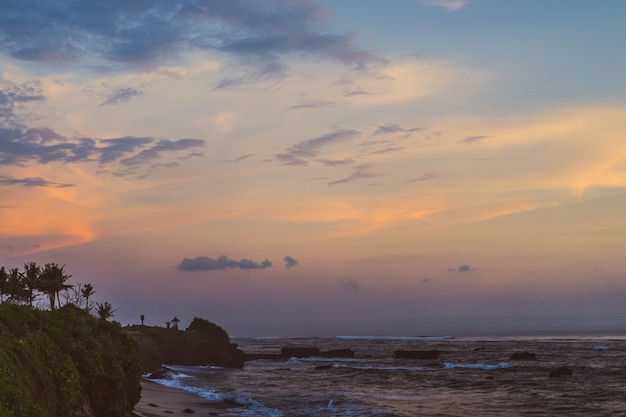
471	377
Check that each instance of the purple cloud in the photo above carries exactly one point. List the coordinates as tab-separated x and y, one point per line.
203	263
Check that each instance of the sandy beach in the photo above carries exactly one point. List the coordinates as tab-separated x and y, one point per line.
158	400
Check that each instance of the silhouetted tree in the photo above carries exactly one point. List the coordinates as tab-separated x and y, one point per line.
52	282
16	290
32	280
105	310
87	291
4	282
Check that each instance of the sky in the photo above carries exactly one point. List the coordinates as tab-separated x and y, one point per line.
268	163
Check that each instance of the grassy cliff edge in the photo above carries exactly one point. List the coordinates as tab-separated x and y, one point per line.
65	363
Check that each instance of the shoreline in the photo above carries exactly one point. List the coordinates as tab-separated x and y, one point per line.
159	400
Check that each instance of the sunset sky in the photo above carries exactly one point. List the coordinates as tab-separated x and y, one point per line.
269	162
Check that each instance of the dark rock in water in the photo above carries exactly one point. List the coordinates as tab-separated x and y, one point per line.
299	352
188	411
268	356
416	354
322	367
161	373
562	371
307	352
523	356
338	353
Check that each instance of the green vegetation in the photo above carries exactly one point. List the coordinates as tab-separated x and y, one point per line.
54	363
62	362
207	329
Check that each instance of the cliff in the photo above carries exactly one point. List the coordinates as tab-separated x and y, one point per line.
203	343
65	363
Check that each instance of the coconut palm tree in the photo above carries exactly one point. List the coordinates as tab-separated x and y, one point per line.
105	310
52	282
4	281
31	279
87	291
16	289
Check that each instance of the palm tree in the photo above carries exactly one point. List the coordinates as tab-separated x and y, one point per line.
105	311
53	282
87	291
31	278
4	281
16	290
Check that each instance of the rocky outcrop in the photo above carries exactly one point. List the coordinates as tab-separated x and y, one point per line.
302	352
416	354
523	356
177	347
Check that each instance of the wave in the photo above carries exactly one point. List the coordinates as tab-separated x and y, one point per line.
397	338
482	366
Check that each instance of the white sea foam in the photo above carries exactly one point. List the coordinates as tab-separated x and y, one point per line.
398	338
475	366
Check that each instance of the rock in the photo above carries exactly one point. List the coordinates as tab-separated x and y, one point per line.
338	353
161	373
176	347
299	352
188	411
416	354
322	367
562	371
523	356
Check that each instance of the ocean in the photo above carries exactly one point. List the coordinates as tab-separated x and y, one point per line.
471	377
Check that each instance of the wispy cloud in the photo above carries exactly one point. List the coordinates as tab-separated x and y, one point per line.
204	263
469	140
21	145
32	182
360	171
302	152
392	128
426	177
122	95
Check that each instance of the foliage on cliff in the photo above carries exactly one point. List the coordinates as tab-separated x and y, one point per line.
207	329
65	363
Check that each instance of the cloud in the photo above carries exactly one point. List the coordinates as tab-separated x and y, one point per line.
472	139
21	145
122	95
290	262
14	95
163	145
302	152
463	268
350	285
32	182
203	263
240	158
360	171
313	104
449	5
143	33
394	128
426	177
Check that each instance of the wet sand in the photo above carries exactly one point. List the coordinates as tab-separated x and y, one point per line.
158	401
